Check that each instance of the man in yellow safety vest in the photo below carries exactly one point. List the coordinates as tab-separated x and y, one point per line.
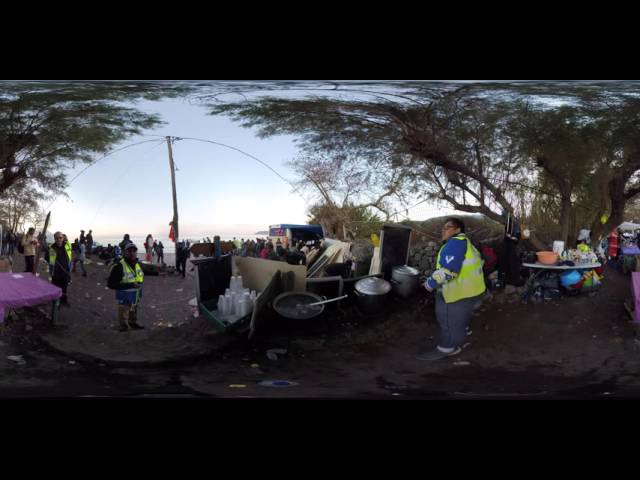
126	278
59	264
459	283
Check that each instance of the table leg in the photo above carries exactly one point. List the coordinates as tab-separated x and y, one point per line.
54	312
529	285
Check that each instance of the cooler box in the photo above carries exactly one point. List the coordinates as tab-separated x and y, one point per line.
213	276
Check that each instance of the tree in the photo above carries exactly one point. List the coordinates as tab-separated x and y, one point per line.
420	138
347	186
458	145
46	127
20	207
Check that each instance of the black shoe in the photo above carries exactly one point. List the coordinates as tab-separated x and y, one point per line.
84	274
123	328
135	326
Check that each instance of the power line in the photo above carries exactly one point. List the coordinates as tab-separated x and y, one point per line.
96	161
124	172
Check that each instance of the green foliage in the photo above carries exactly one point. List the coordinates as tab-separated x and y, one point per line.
46	127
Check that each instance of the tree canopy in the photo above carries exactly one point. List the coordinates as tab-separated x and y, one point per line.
46	127
569	149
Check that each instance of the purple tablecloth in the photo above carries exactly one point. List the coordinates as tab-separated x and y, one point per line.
630	250
635	291
24	290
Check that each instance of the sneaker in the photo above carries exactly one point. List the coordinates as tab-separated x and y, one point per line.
123	328
84	274
437	354
135	326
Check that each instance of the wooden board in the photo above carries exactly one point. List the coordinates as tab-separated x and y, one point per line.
335	253
375	267
257	273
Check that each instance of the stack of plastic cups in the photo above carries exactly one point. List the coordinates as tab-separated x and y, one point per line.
221	305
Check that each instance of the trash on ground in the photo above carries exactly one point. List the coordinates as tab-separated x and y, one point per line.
235	385
461	363
72	362
255	365
277	383
17	358
179	289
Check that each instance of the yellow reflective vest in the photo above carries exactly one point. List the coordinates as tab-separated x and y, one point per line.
470	280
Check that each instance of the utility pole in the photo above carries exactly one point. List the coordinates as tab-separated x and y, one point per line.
173	187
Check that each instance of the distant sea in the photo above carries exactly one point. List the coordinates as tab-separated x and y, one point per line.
169	246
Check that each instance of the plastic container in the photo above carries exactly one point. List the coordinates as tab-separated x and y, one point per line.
558	247
547	258
570	278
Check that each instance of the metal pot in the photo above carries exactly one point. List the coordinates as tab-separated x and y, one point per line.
371	294
405	280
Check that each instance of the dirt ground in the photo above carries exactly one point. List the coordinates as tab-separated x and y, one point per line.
581	346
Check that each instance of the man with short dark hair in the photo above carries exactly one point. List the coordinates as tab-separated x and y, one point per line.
459	283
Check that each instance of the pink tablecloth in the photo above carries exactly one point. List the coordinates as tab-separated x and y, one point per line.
24	290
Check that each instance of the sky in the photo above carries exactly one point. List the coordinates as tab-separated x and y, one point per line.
219	191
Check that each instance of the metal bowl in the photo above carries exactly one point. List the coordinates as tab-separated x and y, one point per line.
286	304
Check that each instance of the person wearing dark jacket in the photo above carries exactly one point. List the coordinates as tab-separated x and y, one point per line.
126	278
89	242
160	252
182	255
458	283
125	241
59	257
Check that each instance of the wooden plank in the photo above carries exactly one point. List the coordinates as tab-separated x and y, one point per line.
257	273
374	269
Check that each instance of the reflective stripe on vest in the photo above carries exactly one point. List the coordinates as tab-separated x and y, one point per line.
53	255
129	275
470	280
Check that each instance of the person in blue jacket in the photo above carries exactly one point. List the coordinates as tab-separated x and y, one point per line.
459	283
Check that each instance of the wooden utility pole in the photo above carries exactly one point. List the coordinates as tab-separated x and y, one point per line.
173	187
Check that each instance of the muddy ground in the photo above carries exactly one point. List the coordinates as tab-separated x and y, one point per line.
582	346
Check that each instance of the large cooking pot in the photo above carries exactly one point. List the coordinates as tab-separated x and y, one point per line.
371	294
405	280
